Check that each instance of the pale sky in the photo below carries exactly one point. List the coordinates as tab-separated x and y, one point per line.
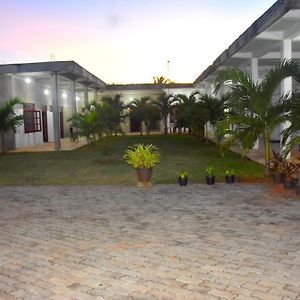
126	41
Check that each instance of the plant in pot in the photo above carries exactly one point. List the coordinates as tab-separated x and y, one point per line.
143	158
288	169
210	177
229	176
183	178
276	167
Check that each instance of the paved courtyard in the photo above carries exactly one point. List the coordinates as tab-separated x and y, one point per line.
165	242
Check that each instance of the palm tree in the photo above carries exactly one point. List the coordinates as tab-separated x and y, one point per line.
188	111
8	119
290	136
160	80
117	113
164	103
143	110
254	111
214	108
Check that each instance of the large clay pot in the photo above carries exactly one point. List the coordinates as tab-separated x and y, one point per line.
144	177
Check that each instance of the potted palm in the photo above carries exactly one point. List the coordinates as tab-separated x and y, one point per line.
229	176
143	158
210	177
183	178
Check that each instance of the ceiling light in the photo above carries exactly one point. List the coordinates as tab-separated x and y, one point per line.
46	92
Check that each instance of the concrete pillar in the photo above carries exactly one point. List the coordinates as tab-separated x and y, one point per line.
254	77
73	98
287	85
55	112
254	69
86	96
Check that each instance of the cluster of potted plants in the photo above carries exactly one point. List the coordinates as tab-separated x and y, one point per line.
284	171
144	157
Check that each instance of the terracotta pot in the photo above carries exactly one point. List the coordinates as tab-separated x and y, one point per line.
144	177
183	181
210	179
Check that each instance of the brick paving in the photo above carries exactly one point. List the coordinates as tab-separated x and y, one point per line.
166	242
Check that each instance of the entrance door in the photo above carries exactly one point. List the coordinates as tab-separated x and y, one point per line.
45	125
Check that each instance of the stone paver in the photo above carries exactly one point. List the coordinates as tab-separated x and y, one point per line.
166	242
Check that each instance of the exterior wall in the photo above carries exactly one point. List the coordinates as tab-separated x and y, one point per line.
129	95
33	92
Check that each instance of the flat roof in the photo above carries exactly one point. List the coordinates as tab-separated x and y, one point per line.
286	24
67	69
148	86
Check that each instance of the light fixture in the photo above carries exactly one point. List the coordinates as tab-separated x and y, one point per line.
77	98
64	95
46	92
27	80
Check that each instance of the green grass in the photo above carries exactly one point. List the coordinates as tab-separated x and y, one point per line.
103	164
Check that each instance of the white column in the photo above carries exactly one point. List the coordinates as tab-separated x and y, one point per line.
287	85
73	98
86	96
55	112
254	77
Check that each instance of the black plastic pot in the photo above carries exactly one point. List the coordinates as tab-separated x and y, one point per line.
183	181
278	177
229	179
210	179
288	183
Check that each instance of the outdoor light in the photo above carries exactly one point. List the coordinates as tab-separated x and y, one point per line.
64	95
27	80
46	92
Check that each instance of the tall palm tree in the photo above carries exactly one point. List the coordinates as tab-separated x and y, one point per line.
164	103
254	111
290	135
118	108
143	110
8	119
161	80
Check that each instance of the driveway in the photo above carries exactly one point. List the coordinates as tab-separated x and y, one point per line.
167	242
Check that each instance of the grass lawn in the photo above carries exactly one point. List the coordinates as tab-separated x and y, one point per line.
103	164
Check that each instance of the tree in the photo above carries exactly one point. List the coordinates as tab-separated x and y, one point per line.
9	120
114	109
254	111
161	80
191	113
214	109
290	136
143	110
164	103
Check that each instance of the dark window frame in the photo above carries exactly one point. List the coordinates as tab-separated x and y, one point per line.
32	121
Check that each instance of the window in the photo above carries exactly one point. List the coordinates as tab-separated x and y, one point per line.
32	121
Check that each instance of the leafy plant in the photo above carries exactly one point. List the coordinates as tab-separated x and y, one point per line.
210	170
229	172
9	120
183	174
142	156
288	168
277	163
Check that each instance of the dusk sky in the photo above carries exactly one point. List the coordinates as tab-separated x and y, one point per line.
126	41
